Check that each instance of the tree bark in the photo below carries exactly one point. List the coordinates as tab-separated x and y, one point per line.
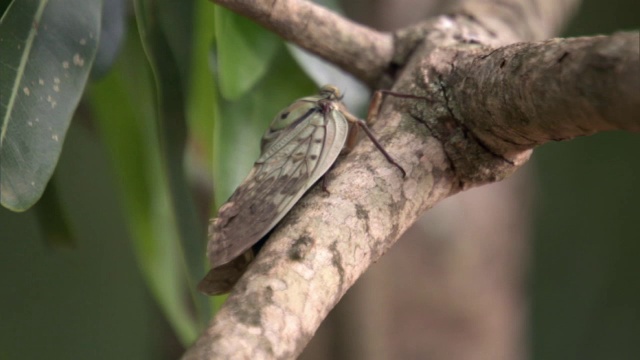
491	101
361	51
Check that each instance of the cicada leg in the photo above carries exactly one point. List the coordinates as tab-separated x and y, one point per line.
363	124
372	115
376	102
352	138
374	107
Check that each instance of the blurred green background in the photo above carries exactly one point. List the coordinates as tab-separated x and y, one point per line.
585	293
104	265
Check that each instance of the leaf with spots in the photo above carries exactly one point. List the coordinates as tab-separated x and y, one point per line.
47	50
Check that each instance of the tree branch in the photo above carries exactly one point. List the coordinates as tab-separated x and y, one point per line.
327	241
523	95
359	50
517	20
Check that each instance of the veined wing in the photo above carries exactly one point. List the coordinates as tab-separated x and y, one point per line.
293	159
221	279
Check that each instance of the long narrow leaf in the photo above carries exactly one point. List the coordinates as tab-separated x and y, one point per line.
124	105
201	97
170	115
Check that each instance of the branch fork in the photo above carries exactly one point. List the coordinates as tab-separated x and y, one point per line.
495	95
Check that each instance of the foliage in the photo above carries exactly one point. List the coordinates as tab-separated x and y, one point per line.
176	103
47	52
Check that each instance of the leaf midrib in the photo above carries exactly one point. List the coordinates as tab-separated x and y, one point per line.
23	64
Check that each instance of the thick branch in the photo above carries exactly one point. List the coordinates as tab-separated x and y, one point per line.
324	245
359	50
327	241
523	95
519	20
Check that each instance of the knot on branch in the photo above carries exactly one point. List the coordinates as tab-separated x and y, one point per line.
472	158
471	161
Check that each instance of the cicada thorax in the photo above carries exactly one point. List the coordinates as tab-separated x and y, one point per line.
289	118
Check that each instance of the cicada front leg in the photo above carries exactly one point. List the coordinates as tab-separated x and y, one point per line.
372	115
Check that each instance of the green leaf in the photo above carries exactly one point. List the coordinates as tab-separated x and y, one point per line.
124	104
4	4
112	34
53	218
170	115
244	53
47	50
201	98
174	19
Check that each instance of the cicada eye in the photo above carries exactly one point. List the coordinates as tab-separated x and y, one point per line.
331	92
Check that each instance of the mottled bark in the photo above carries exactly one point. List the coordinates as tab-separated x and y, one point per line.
523	95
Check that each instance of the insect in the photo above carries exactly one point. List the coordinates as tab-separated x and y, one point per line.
301	144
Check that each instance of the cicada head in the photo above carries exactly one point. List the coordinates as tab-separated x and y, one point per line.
331	93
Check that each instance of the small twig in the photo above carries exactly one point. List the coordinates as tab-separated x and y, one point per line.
359	50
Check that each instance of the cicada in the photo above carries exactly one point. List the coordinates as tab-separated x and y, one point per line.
301	144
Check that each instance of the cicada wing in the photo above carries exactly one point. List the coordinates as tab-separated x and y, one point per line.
276	182
221	279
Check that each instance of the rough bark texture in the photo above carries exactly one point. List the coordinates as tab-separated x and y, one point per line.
523	95
361	51
451	288
458	139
